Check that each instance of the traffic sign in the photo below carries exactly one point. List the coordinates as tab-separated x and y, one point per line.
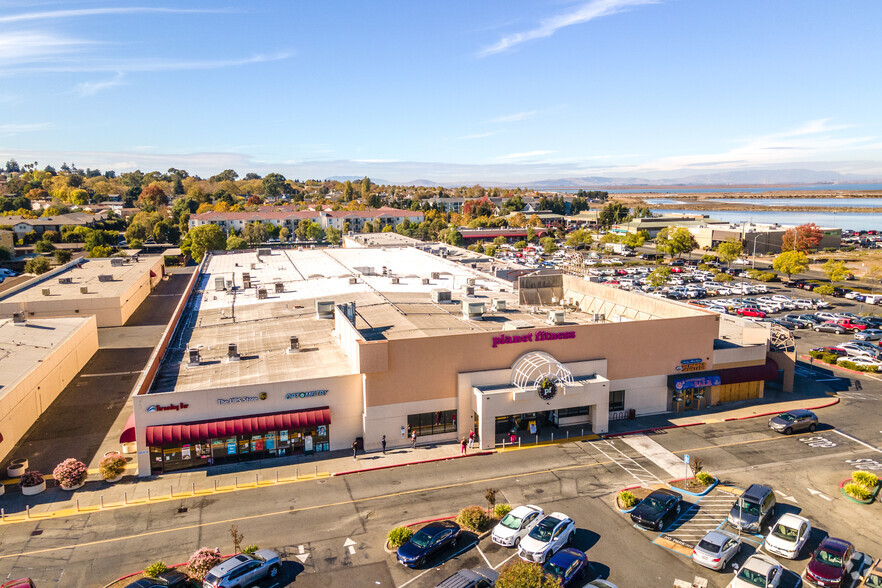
686	458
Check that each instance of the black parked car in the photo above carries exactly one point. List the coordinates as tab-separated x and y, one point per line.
652	510
171	579
428	541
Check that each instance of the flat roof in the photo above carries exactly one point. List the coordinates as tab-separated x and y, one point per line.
86	272
25	346
391	302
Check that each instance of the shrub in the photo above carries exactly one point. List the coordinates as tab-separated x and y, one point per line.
707	258
37	265
627	499
201	562
473	518
824	290
31	478
250	548
857	491
44	247
522	574
112	466
723	277
501	509
705	478
865	479
155	569
71	472
830	358
399	536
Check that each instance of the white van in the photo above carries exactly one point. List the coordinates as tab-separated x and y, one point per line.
873	299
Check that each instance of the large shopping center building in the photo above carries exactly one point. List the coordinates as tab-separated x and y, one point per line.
289	352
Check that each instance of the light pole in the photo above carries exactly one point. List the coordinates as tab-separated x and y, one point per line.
753	261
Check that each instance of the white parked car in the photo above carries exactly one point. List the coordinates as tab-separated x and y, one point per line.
788	536
758	570
803	303
546	538
516	524
861	361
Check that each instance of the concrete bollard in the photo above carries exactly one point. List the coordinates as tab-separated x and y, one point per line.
277	476
519	442
552	436
2	515
171	492
101	501
215	484
256	479
148	494
78	505
237	481
193	488
503	444
28	509
568	435
125	498
296	474
315	472
537	438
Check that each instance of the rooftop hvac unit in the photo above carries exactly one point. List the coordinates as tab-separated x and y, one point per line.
425	281
498	305
233	352
349	311
470	281
472	310
84	289
261	294
229	284
253	266
19	318
395	281
219	283
556	317
246	280
116	261
105	277
599	318
468	290
324	309
46	292
294	346
280	287
353	280
441	296
474	265
385	270
193	357
262	251
516	325
436	276
65	280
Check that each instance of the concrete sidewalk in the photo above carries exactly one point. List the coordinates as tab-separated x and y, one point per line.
133	491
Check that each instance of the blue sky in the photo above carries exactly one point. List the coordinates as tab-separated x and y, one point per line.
454	91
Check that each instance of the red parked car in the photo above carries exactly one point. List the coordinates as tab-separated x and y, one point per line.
830	563
750	312
851	325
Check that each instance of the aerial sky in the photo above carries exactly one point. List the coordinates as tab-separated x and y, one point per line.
455	91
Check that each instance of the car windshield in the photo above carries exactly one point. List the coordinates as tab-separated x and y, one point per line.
786	416
874	581
750	508
709	547
421	539
830	559
785	532
553	568
512	522
751	577
653	503
211	578
543	531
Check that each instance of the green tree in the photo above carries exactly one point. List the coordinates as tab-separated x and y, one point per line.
236	242
44	247
531	234
62	256
675	241
348	192
835	270
520	245
635	240
165	231
333	236
37	265
284	233
730	250
153	196
611	214
723	277
791	262
452	237
579	237
659	276
202	239
365	186
548	244
100	251
522	574
255	233
273	184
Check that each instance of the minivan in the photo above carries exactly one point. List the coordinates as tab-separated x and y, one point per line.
752	509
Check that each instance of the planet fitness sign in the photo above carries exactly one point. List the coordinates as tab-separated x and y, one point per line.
532	337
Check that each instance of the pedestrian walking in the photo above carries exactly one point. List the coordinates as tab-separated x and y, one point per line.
413	439
463	445
354	450
512	438
383	443
471	439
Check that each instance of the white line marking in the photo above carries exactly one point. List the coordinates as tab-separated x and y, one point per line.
785	497
506	560
816	493
352	549
657	454
847	436
489	565
440	563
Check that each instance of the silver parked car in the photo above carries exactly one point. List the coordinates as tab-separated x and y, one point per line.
243	570
794	420
716	550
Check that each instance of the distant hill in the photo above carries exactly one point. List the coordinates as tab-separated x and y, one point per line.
355	179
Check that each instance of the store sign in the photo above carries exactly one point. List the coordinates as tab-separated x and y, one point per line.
162	407
703	382
534	336
691	365
310	394
238	399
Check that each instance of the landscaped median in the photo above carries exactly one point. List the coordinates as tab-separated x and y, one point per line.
476	519
861	487
195	568
698	485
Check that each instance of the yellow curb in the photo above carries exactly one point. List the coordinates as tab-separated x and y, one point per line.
730	489
547	443
12	481
673	546
66	512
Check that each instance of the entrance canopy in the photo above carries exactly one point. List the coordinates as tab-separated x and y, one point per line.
534	366
249	425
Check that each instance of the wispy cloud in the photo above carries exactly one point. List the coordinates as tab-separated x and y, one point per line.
27	47
16	128
584	13
63	14
514	117
144	65
478	136
525	154
84	89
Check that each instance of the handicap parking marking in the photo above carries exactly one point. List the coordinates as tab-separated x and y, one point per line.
817	441
865	464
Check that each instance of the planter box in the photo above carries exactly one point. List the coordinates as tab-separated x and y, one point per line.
31	490
72	488
858	500
114	479
17	468
2	489
684	491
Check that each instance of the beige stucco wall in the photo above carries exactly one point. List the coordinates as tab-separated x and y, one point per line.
23	403
7	241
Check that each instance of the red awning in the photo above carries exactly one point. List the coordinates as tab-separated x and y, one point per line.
249	425
755	373
128	434
152	274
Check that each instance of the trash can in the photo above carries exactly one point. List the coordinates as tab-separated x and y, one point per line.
632	414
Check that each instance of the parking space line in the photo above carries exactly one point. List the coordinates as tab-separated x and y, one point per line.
644	480
478	547
847	436
505	561
441	563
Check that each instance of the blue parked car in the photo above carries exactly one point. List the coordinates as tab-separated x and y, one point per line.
428	541
569	566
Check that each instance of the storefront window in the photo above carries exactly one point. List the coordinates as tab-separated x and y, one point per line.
616	400
432	423
575	411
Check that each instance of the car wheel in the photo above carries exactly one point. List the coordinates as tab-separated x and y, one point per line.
571	537
454	541
273	572
812	427
660	525
788	430
677	511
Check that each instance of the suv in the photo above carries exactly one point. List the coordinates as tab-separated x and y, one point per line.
243	570
752	509
476	578
170	579
851	325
